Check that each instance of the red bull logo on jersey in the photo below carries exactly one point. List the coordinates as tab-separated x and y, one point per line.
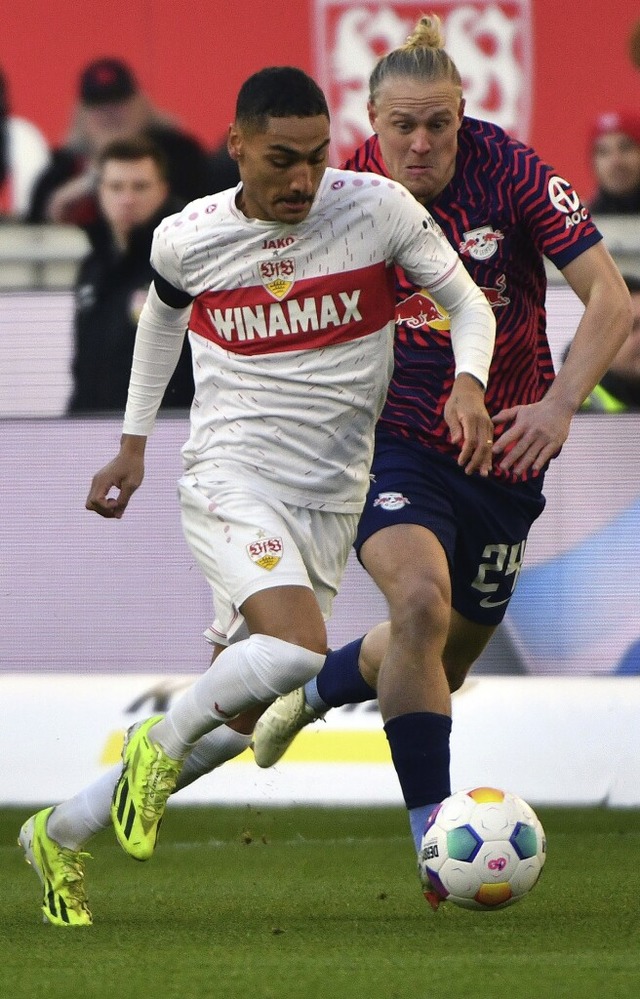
496	296
491	39
420	311
278	276
480	243
266	553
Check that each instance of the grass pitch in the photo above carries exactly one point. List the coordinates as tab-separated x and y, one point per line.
314	903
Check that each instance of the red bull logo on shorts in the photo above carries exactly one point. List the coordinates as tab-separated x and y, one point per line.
266	553
490	41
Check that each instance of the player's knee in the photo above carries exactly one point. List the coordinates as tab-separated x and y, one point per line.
283	665
423	606
456	673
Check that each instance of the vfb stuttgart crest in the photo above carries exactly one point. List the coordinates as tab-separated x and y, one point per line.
266	553
278	276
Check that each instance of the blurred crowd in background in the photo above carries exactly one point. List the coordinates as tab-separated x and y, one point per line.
125	164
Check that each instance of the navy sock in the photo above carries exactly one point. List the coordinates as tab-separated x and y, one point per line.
419	744
340	681
418	820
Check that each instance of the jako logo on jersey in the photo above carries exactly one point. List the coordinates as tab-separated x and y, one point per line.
419	311
480	243
266	553
277	276
246	322
565	200
391	501
279	243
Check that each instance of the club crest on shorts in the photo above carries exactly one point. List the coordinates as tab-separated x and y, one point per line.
266	552
278	276
391	501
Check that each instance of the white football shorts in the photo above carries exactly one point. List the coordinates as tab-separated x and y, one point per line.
244	543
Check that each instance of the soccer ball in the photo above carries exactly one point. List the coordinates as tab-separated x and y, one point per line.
482	849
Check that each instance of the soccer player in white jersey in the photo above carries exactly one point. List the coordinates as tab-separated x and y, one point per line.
286	284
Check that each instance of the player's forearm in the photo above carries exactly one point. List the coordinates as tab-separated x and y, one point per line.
597	341
473	326
159	339
605	325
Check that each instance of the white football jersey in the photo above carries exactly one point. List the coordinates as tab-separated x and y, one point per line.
291	331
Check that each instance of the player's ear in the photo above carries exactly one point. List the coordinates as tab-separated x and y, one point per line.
461	109
234	142
371	111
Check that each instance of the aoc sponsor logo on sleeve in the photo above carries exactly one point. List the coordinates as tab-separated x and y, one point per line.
564	199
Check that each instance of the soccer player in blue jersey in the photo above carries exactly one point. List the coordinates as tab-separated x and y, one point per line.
443	546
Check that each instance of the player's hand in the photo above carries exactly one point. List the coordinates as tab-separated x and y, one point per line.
124	474
534	435
470	425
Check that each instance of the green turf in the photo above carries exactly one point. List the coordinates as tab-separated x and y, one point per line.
324	904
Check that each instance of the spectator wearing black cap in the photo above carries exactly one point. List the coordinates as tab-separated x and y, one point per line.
111	107
24	154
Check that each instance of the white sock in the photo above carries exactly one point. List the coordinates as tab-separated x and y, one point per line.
76	820
211	751
73	822
254	671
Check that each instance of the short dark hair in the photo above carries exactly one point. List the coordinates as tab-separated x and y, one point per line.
279	92
131	150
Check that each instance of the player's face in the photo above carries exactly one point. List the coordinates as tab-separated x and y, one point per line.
627	361
130	192
616	160
280	167
417	124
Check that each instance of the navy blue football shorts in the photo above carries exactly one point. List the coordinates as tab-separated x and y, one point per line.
481	523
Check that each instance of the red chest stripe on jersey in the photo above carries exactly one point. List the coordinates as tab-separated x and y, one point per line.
325	310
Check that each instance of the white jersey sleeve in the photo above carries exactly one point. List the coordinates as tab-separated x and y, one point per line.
161	331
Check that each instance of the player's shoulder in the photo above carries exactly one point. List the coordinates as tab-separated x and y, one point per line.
491	140
196	219
368	190
339	180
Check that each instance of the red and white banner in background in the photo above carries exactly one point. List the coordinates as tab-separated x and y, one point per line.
490	42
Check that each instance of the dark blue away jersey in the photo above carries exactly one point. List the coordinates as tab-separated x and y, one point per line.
502	211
